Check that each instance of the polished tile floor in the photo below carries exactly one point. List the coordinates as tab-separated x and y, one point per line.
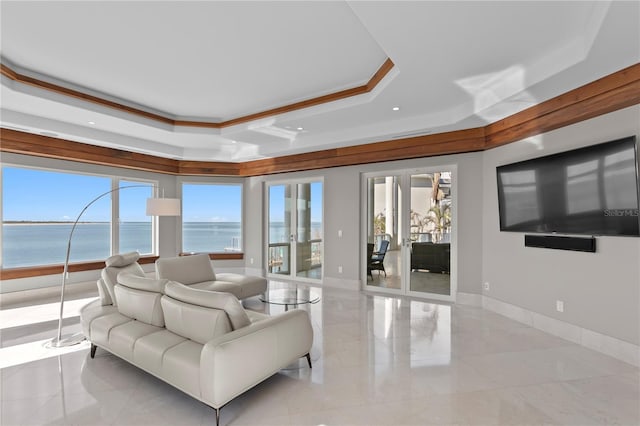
377	360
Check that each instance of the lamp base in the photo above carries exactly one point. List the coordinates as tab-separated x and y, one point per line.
65	340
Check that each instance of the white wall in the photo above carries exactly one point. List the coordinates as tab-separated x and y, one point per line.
600	291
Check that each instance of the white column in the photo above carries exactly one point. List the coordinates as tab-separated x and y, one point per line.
390	210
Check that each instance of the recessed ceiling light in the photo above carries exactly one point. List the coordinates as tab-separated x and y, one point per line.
300	128
396	108
233	141
91	122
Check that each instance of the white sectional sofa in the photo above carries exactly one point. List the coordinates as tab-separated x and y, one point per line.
200	341
196	271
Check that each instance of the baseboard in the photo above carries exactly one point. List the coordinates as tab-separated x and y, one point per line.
616	348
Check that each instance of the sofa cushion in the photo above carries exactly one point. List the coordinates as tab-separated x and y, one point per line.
181	367
139	298
90	312
141	283
211	299
186	269
103	293
123	338
220	286
120	260
150	349
110	274
257	316
248	284
194	322
101	327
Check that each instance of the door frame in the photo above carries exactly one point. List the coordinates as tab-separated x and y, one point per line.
404	210
266	227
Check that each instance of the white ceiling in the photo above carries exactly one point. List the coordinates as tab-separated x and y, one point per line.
457	65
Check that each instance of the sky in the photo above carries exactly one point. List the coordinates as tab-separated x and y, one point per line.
39	195
211	203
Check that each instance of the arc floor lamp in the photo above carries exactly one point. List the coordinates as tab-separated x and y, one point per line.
156	206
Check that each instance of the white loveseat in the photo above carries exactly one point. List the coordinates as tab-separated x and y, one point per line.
202	342
196	271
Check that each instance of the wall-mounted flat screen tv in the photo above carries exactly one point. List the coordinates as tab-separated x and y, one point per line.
587	191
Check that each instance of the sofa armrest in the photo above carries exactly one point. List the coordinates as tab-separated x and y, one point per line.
235	362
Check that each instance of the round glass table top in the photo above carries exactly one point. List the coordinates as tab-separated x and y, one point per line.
290	296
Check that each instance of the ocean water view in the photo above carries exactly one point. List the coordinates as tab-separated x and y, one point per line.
31	244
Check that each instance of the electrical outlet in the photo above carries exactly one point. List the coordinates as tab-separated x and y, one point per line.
251	260
339	233
486	286
340	269
559	306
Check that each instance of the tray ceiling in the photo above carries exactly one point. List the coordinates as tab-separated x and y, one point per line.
456	65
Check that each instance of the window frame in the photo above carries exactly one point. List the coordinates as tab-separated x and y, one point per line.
81	265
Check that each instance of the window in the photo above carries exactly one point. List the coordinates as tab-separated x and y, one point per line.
211	218
39	208
135	230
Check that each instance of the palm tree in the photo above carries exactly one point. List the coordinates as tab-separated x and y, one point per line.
440	217
379	224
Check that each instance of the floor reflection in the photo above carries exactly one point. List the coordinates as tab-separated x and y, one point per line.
376	360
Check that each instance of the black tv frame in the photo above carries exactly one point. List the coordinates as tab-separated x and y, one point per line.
567	154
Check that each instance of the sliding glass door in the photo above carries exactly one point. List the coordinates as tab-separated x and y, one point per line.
409	220
294	240
429	242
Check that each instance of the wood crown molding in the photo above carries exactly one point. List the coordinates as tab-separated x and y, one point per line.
45	146
24	79
613	92
359	90
607	94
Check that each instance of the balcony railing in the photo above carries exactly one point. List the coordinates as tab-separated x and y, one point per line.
309	256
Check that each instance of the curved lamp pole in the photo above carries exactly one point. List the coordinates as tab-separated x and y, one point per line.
155	207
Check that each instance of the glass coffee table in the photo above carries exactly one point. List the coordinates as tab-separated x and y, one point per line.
290	297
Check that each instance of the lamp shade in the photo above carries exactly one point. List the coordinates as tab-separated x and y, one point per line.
163	207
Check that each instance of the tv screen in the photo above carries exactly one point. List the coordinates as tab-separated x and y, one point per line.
589	191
